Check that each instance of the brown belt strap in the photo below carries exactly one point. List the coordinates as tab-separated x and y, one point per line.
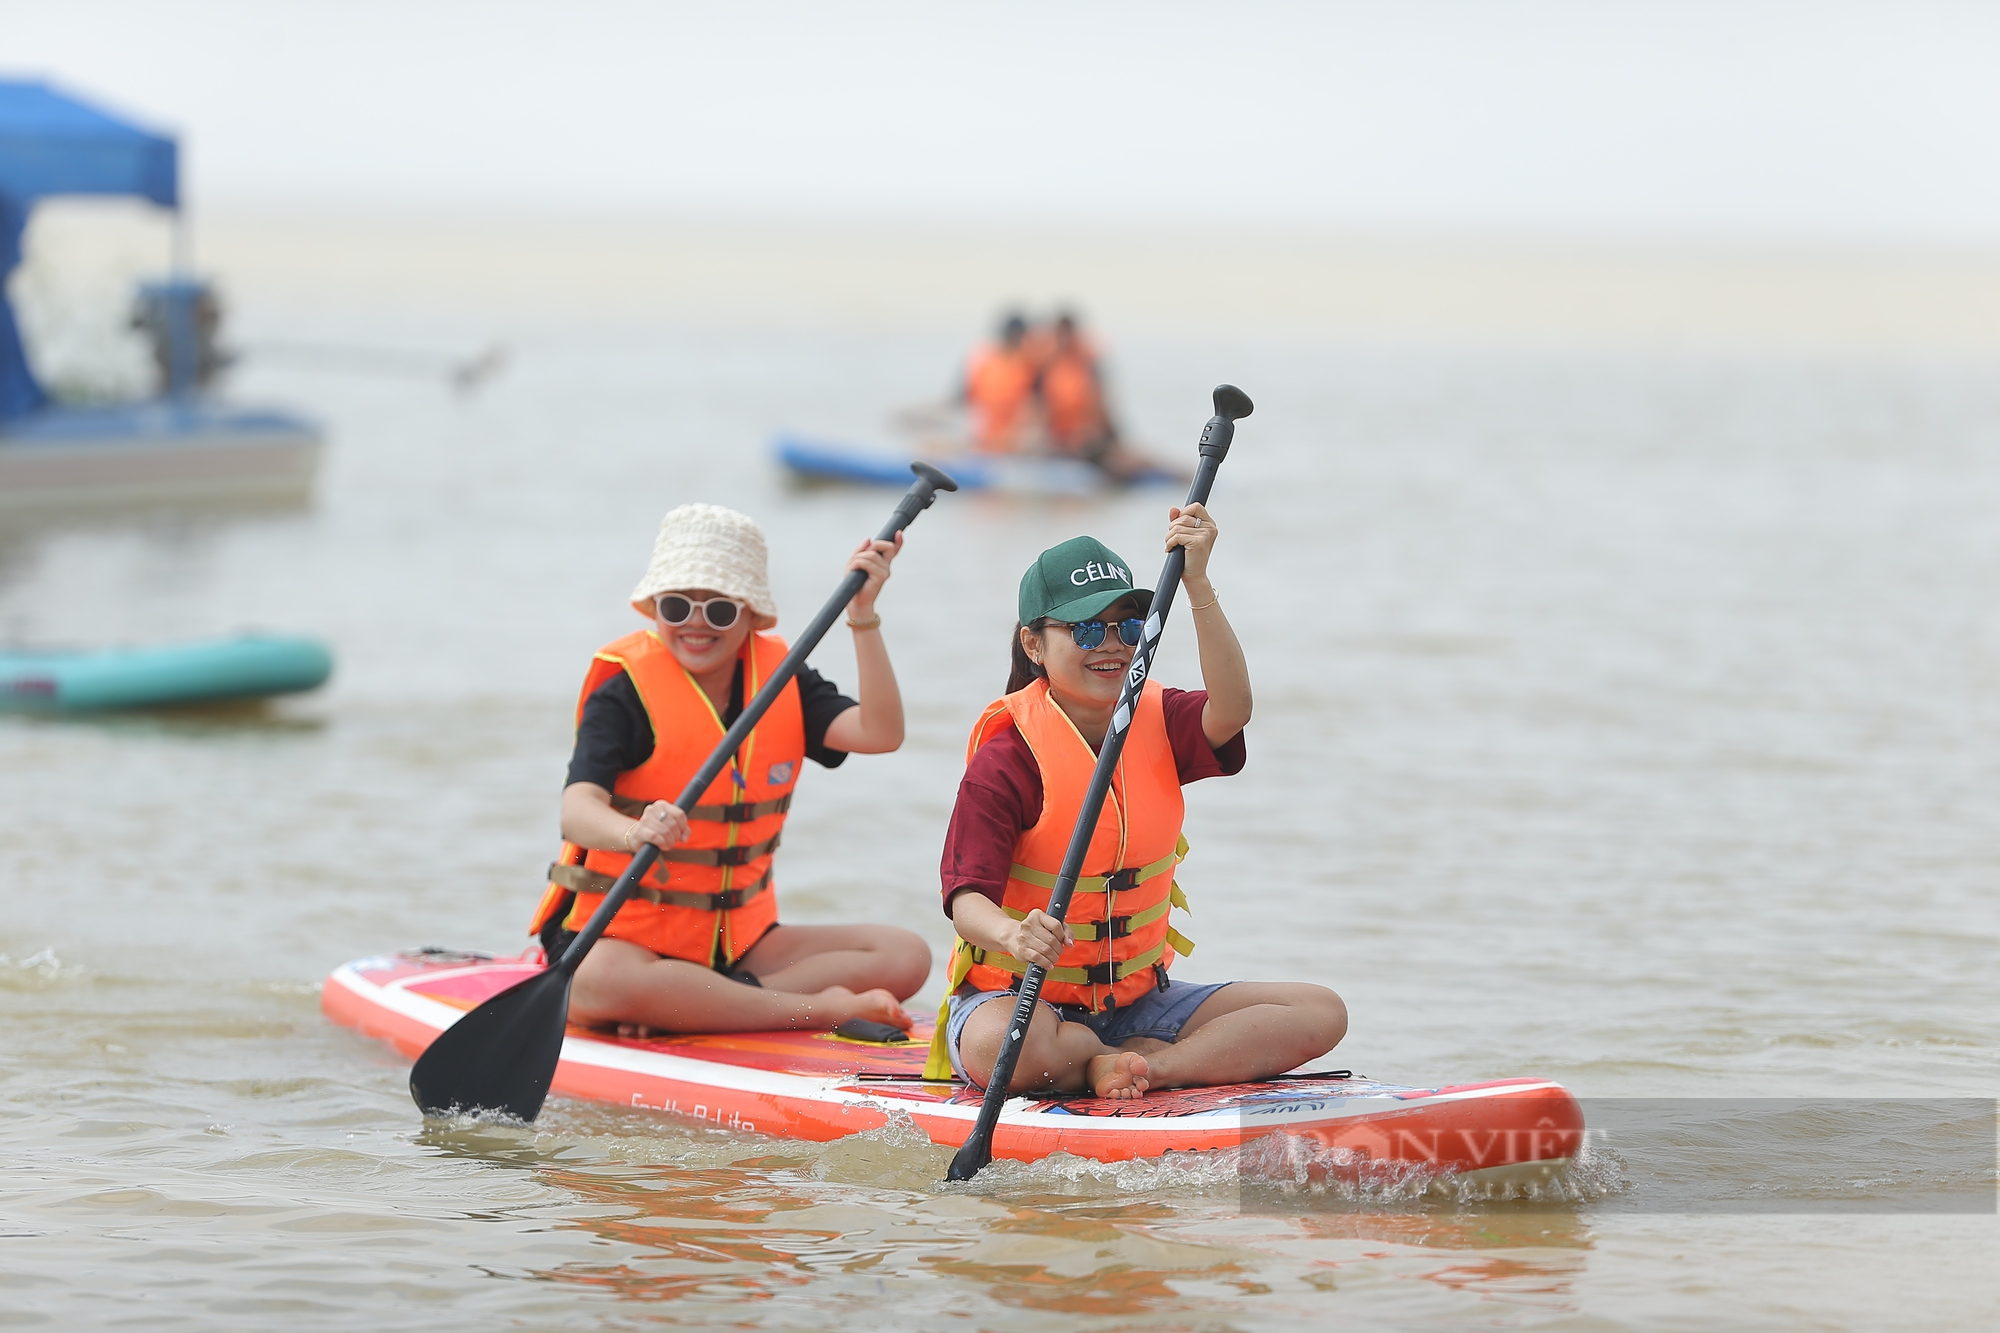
741	812
722	856
577	879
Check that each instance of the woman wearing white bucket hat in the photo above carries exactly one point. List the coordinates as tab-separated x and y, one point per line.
698	948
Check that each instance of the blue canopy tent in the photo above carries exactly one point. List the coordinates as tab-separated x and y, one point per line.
52	144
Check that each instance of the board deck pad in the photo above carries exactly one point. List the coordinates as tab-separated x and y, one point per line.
821	1085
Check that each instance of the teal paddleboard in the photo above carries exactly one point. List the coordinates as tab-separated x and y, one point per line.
76	680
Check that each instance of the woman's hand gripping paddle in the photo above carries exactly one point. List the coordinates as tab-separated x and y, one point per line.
502	1056
1231	404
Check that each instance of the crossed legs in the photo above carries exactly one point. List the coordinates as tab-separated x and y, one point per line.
811	977
1244	1032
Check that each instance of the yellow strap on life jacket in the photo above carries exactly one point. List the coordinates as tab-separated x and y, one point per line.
1073	976
1086	931
938	1065
1089	931
963	955
1095	883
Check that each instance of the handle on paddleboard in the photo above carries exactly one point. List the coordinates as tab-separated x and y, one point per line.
502	1056
1231	404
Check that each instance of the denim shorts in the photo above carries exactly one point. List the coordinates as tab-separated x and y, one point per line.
1159	1014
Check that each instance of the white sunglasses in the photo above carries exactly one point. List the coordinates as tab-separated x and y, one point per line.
677	609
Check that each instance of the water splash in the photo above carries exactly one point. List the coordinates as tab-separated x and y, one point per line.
1287	1171
38	971
894	1155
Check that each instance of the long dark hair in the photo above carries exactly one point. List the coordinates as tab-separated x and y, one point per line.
1025	670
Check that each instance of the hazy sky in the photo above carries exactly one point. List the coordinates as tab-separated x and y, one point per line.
1871	121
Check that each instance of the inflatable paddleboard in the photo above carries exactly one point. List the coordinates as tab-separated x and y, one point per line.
821	462
72	680
819	1086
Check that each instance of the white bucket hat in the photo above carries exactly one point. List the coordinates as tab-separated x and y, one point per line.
707	546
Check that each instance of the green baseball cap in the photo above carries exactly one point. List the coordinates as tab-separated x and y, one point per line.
1075	581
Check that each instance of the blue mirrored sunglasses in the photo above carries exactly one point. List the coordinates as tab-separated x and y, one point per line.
1090	633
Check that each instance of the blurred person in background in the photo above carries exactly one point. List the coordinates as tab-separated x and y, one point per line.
698	947
1072	391
999	391
1075	411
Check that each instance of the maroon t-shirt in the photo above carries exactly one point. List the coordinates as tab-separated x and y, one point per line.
1000	795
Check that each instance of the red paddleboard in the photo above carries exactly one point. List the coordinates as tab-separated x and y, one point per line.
818	1086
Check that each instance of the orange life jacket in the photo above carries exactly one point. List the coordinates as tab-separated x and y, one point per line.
1124	944
1038	344
999	388
709	899
1119	912
1073	400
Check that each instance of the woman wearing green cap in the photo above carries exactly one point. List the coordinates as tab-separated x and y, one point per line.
1113	1023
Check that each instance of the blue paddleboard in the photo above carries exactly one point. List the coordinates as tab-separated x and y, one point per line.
843	464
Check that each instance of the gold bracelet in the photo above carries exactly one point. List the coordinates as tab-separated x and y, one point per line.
874	623
1210	602
625	839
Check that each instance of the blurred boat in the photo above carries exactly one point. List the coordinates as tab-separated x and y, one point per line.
825	463
183	445
79	680
159	452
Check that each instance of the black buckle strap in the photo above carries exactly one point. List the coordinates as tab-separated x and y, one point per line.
721	856
725	900
735	812
1095	974
742	812
1121	881
578	879
728	900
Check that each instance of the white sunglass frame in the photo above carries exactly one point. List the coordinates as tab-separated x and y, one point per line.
701	609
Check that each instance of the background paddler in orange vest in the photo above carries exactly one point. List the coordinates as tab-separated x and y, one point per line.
999	391
1113	1022
1072	392
699	948
1076	411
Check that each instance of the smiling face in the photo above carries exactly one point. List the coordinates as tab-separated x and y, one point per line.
696	644
1086	677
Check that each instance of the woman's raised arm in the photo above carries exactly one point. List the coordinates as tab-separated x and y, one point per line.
1224	673
875	724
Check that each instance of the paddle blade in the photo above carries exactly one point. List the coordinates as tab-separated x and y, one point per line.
500	1057
976	1153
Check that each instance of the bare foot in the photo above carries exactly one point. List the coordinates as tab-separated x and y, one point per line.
1117	1074
873	1005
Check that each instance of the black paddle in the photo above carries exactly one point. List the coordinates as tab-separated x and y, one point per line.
1231	404
502	1056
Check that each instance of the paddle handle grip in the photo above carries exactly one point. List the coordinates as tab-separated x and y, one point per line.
1216	437
920	496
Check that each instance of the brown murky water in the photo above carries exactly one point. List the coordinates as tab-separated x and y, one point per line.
1633	721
